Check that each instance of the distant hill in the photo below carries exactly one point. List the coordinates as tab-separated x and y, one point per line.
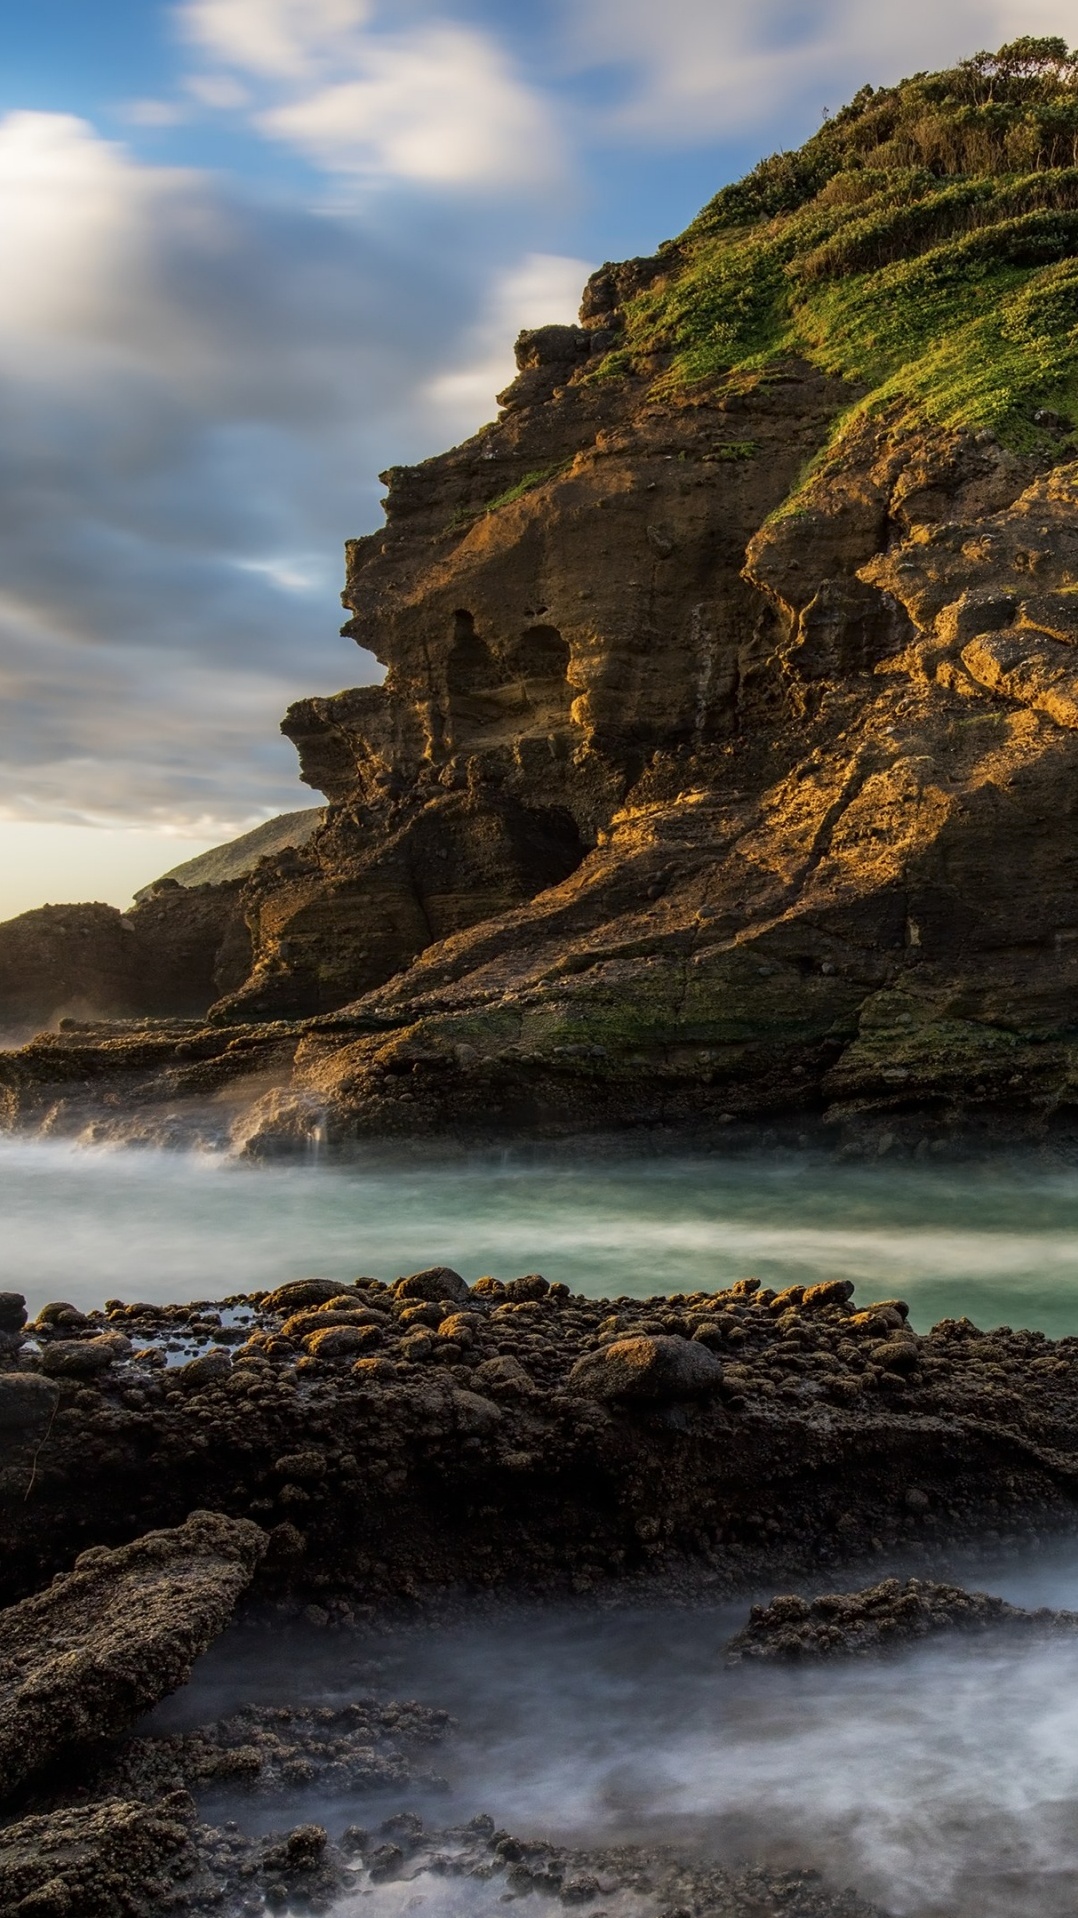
238	856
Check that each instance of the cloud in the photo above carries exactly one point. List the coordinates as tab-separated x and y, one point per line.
153	113
274	37
435	105
697	70
198	390
541	288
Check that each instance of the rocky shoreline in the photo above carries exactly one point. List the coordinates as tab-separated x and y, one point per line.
392	1439
343	1449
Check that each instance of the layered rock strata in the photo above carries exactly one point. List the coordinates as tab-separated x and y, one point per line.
789	831
724	764
173	954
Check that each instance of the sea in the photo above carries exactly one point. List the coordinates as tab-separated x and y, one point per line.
941	1782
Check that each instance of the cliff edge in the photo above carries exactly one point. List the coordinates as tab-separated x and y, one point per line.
726	760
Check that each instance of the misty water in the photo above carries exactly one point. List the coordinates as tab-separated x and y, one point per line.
995	1238
941	1781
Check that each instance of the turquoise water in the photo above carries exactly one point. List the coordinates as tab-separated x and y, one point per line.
996	1239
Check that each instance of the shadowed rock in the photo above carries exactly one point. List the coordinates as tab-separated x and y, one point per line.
111	1859
647	1368
890	1613
83	1659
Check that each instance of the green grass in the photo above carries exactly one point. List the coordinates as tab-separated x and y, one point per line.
923	245
526	484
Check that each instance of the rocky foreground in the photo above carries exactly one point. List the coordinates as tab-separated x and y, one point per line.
396	1438
339	1448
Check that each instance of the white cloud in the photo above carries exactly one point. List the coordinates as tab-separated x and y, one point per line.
714	69
439	107
197	393
153	113
274	37
436	105
220	91
543	288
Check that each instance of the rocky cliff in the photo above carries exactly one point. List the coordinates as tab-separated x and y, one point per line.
726	759
184	942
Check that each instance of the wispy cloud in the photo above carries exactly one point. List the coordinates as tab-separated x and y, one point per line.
694	70
198	390
435	104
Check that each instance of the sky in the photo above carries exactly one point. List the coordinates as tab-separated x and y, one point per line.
253	252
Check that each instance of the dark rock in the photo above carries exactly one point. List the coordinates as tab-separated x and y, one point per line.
12	1311
215	1364
890	1613
27	1402
341	1341
80	1358
299	1293
111	1859
647	1368
62	1314
81	1660
437	1282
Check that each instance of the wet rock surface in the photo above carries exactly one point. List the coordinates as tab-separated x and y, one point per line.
501	1435
747	1429
122	1859
115	1858
84	1658
894	1612
367	1745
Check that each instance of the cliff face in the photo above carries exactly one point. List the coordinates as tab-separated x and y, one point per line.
726	759
543	655
172	955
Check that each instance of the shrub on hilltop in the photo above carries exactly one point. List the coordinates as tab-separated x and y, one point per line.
923	244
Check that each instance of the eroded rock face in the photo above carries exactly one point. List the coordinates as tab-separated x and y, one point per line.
84	1658
696	791
173	954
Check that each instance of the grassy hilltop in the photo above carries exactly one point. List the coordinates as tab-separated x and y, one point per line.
923	243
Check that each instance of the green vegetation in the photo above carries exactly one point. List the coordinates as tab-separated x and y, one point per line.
526	484
924	244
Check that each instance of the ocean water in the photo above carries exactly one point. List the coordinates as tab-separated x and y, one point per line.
996	1238
939	1781
942	1783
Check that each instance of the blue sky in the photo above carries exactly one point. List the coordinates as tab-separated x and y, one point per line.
255	250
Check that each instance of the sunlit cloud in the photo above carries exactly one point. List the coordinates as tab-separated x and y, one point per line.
543	288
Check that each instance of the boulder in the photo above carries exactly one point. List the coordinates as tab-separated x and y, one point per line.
78	1358
890	1613
60	1313
214	1364
341	1341
12	1311
317	1318
437	1282
647	1368
111	1859
302	1292
27	1403
504	1371
83	1659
